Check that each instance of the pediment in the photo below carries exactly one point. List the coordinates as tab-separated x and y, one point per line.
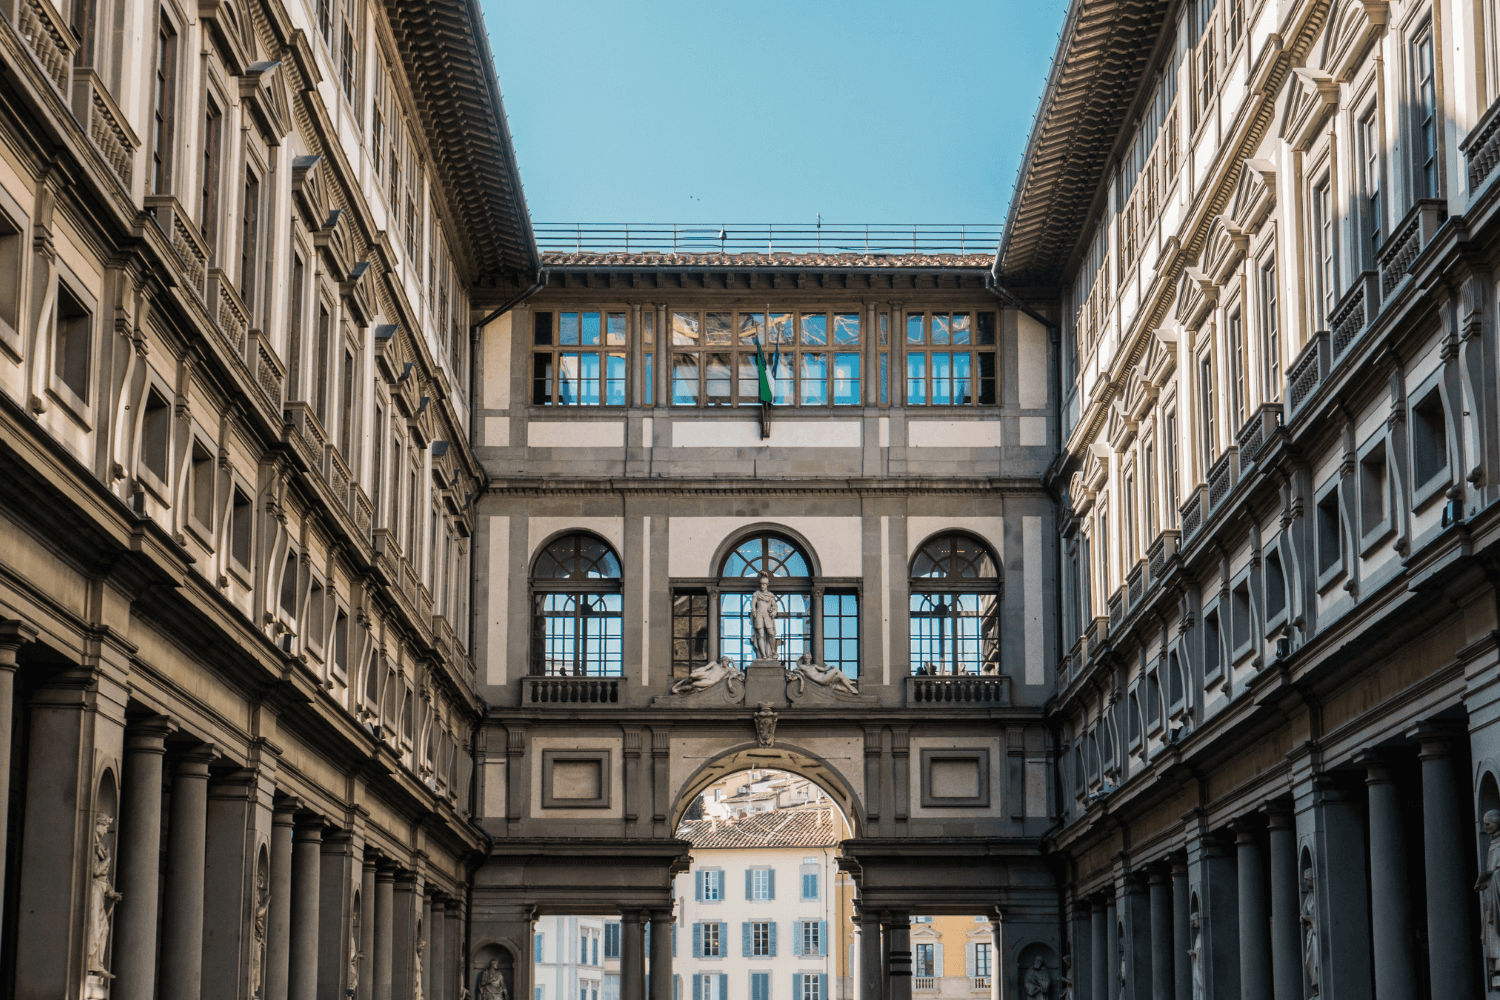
262	93
1195	298
1254	196
309	190
1313	97
1355	27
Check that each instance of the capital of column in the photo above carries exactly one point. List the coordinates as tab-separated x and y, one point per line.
1158	877
1279	818
1179	865
1377	768
629	916
194	763
14	634
453	905
1244	831
148	735
284	811
662	914
308	829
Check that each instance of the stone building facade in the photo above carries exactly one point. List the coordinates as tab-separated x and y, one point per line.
1274	259
240	243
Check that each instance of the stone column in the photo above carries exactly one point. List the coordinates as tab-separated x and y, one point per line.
139	868
1100	940
1390	903
1114	949
661	954
1447	888
366	988
1182	932
900	955
424	938
385	887
632	955
405	910
182	905
13	635
338	869
435	962
1341	894
456	975
1135	943
230	890
1286	940
1255	944
279	916
1082	970
1161	936
307	858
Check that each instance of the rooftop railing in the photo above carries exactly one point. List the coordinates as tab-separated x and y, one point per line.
767	238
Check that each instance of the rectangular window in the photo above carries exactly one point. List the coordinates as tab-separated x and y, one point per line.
1270	331
1374	491
713	885
841	631
346	418
1169	443
689	629
885	378
582	371
718	358
611	941
760	939
249	238
377	465
1424	116
1239	608
812	984
536	947
1429	438
924	961
1149	481
202	472
1330	533
760	883
163	117
1208	404
1325	279
809	885
294	328
1371	213
208	194
239	529
944	376
711	939
72	348
1212	645
156	434
812	940
1234	332
1275	585
324	359
982	958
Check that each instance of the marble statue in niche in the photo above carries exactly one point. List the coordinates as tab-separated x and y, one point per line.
1038	982
1195	956
416	974
710	674
828	677
1489	894
1065	980
763	608
1310	925
355	955
258	930
492	983
102	897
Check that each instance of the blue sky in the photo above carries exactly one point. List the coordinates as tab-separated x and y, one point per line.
772	111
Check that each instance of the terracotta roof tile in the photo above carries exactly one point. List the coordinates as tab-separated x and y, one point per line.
779	828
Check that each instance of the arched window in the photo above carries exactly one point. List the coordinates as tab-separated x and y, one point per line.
711	618
576	624
955	608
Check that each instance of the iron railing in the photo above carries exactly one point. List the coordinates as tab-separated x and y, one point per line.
766	238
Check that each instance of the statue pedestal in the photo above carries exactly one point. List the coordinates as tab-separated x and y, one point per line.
765	680
95	987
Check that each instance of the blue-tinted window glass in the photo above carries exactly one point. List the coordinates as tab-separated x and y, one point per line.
942	374
684	380
614	381
959	328
568	329
841	632
814	379
914	329
846	329
614	334
916	380
589	329
846	379
793	627
648	393
815	330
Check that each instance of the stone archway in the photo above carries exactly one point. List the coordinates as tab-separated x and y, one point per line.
749	756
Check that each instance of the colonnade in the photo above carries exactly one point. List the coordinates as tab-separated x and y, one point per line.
1308	898
885	954
635	924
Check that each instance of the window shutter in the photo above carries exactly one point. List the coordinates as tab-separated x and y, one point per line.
796	986
697	986
698	886
697	953
676	986
969	960
749	888
823	943
797	937
723	987
771	885
937	960
674	939
745	939
822	986
773	955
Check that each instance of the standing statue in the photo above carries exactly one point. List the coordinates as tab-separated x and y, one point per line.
706	675
416	973
1065	981
1124	954
492	983
763	610
355	955
1310	921
1195	956
828	677
1489	894
1038	983
102	898
258	932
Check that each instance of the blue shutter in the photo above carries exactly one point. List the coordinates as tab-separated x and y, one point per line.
770	894
822	986
749	891
745	939
723	986
698	886
937	960
697	986
697	952
822	946
773	954
674	939
796	986
969	963
796	937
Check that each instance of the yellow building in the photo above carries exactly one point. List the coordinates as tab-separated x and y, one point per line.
951	957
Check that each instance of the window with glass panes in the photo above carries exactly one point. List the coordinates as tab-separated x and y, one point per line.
924	962
841	631
760	939
576	623
812	986
981	958
1424	114
790	579
811	358
1367	135
950	359
1325	279
578	358
760	883
955	608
